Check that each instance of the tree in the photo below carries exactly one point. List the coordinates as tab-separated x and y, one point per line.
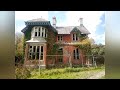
85	46
98	50
19	47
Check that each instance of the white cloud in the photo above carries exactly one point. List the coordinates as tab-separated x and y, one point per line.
56	12
28	15
100	38
90	20
19	28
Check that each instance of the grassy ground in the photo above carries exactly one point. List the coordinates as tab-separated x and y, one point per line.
103	77
66	73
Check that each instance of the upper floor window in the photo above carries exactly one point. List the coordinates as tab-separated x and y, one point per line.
39	32
60	38
75	37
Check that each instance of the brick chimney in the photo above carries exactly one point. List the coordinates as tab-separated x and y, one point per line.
54	22
81	21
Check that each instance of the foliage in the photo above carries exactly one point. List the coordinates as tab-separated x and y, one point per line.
19	40
98	49
65	73
51	46
85	45
22	73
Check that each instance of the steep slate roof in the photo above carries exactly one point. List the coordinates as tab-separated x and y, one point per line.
60	30
38	21
68	29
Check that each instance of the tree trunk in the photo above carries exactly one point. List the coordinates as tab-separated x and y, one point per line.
70	61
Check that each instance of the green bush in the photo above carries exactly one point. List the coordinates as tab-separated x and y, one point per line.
72	69
22	73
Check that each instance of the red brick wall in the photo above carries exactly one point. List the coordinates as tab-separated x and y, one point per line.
66	38
70	49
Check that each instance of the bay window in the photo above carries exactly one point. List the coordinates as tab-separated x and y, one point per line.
35	52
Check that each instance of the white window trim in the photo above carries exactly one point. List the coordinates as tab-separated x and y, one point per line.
60	37
75	36
36	52
36	29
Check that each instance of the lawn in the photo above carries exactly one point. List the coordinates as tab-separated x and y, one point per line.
66	73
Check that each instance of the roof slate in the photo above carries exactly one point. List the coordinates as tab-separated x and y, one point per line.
60	30
68	29
37	20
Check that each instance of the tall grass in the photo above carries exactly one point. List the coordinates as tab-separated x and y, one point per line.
65	73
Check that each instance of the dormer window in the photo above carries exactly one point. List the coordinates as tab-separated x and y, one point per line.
39	32
75	37
60	38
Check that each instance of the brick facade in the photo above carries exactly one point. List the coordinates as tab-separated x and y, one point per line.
54	35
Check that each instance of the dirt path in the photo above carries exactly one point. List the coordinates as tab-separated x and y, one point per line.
98	75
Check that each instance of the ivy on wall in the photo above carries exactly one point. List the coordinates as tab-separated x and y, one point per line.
51	39
51	46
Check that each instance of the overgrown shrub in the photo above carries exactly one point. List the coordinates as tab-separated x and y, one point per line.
22	73
72	69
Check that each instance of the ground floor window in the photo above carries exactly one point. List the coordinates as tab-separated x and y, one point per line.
76	54
35	52
60	60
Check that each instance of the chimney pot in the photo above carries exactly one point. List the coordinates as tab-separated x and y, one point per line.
81	21
54	22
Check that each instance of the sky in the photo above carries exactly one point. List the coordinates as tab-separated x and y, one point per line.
94	21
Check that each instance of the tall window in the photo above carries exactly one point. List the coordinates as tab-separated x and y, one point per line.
76	54
39	32
75	37
60	38
35	53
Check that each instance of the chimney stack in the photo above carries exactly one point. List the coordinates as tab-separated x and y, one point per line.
81	21
54	22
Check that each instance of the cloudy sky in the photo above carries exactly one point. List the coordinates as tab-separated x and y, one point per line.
94	21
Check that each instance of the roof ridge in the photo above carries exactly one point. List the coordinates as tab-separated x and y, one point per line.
37	19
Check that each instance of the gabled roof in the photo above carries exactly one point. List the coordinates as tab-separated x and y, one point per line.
69	29
60	30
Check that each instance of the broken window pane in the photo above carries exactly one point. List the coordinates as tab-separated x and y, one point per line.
35	33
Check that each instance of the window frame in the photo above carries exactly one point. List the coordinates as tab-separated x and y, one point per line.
76	54
75	37
60	38
39	31
34	52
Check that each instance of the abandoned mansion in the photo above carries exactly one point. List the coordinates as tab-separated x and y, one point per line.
46	44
